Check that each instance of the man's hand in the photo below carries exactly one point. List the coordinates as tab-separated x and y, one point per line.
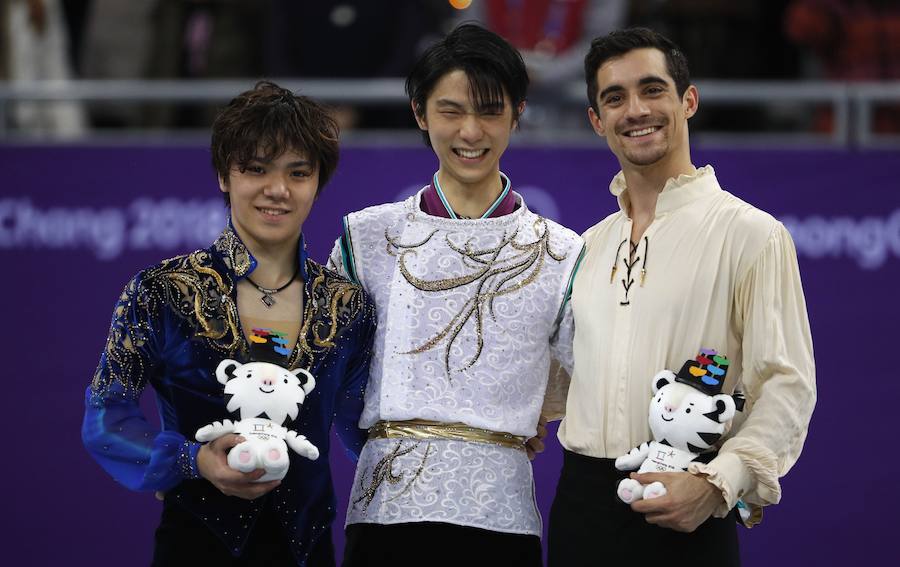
689	501
535	445
213	466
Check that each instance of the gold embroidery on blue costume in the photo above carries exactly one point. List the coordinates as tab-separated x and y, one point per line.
172	325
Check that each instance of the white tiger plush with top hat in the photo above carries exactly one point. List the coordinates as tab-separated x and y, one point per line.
688	415
267	396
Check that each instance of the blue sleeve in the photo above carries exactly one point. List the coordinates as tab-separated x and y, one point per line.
351	396
115	431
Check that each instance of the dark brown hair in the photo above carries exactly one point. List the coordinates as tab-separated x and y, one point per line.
619	43
267	121
491	64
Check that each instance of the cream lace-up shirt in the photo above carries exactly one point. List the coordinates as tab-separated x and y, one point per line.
711	271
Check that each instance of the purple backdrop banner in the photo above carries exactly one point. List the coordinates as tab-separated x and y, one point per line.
77	222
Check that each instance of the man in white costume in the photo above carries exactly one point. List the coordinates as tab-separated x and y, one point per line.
471	292
682	266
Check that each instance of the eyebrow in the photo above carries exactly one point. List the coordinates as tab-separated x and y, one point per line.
648	80
492	106
450	103
298	163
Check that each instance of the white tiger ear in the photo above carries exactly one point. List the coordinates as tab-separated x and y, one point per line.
226	370
662	379
725	407
307	382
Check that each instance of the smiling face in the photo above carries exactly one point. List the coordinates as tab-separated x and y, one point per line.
467	138
270	200
641	115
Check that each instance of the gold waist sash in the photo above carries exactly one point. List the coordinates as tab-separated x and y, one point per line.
425	429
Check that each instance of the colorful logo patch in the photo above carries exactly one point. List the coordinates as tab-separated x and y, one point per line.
276	340
706	373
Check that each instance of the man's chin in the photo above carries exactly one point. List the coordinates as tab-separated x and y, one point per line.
644	159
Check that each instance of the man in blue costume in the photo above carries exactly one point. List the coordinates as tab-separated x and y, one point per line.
273	152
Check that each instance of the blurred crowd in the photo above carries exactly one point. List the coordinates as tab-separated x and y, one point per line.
853	40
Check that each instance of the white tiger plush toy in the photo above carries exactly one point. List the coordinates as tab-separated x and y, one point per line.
688	415
267	395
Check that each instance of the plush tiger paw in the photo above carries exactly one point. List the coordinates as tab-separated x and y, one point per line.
214	430
301	445
630	490
633	459
654	490
273	457
243	457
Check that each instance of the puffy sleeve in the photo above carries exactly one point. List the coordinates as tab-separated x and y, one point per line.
115	431
778	380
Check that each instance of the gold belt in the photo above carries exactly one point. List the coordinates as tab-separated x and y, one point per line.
425	429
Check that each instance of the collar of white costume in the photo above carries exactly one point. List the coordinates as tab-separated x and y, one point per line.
677	192
413	206
487	213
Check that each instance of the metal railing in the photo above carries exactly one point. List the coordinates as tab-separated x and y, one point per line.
851	104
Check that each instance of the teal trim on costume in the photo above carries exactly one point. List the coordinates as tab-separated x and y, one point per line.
347	253
487	213
568	294
499	200
440	192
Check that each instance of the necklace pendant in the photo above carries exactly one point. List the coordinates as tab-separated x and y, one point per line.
267	293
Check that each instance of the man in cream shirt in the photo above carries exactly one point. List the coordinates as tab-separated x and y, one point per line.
683	265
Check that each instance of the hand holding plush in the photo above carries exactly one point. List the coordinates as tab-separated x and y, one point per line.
688	416
267	396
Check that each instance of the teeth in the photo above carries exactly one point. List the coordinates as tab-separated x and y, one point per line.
273	211
471	154
644	132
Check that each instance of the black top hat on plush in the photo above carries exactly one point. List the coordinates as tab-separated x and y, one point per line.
706	373
268	345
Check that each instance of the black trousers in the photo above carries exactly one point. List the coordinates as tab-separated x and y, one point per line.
435	544
183	540
590	526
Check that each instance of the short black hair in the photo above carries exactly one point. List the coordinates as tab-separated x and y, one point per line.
620	42
491	64
267	121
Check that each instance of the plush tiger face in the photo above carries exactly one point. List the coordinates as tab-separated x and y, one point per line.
262	389
686	418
